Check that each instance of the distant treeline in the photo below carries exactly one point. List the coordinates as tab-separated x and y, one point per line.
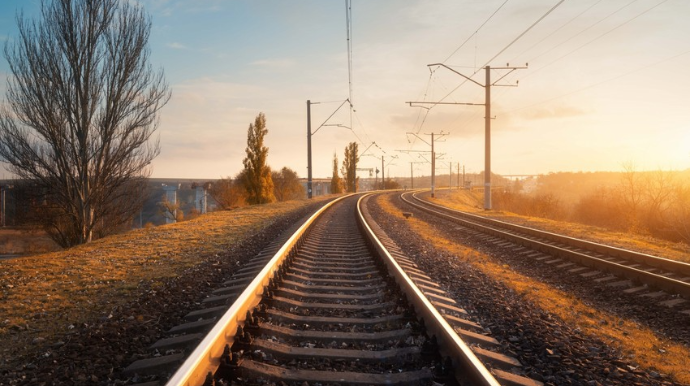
655	203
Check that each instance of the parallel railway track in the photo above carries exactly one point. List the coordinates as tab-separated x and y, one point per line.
644	270
333	304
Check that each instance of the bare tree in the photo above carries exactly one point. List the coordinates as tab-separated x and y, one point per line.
679	217
82	108
631	195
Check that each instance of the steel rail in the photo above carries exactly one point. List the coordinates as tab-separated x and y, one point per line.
466	364
206	357
490	226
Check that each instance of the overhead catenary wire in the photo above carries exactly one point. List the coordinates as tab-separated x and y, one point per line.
531	73
352	111
596	38
348	28
476	31
427	110
603	81
505	48
546	36
525	32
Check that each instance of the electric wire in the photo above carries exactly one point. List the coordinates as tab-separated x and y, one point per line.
602	82
555	31
426	114
419	114
596	38
584	30
569	53
506	47
498	97
348	28
476	31
525	32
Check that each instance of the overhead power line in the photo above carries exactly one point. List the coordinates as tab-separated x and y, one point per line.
602	82
598	37
476	31
504	48
546	36
348	27
525	32
426	113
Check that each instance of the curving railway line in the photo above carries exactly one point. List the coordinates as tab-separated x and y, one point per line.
615	266
334	303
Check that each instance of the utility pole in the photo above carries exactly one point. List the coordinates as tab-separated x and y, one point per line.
433	155
487	140
309	179
383	174
458	186
309	134
487	118
412	168
433	166
450	174
411	175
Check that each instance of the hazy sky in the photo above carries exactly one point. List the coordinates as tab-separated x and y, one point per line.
607	83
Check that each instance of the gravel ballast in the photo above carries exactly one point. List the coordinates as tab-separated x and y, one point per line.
550	350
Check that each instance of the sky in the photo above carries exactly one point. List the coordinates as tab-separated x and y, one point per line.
606	84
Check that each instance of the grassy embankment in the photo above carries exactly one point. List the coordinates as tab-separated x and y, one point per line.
42	295
473	202
641	344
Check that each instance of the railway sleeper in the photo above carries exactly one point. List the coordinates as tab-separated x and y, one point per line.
502	366
255	352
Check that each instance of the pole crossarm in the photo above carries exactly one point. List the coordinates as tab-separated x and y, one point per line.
445	103
512	69
330	116
309	135
464	76
391	160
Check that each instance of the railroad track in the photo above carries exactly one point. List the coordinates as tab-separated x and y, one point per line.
335	303
640	273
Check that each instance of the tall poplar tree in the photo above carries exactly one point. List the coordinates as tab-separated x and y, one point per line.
336	182
257	174
349	169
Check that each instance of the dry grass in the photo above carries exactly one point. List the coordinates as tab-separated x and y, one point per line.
24	241
44	295
473	202
647	349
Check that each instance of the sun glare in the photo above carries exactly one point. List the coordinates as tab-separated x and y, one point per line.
684	149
